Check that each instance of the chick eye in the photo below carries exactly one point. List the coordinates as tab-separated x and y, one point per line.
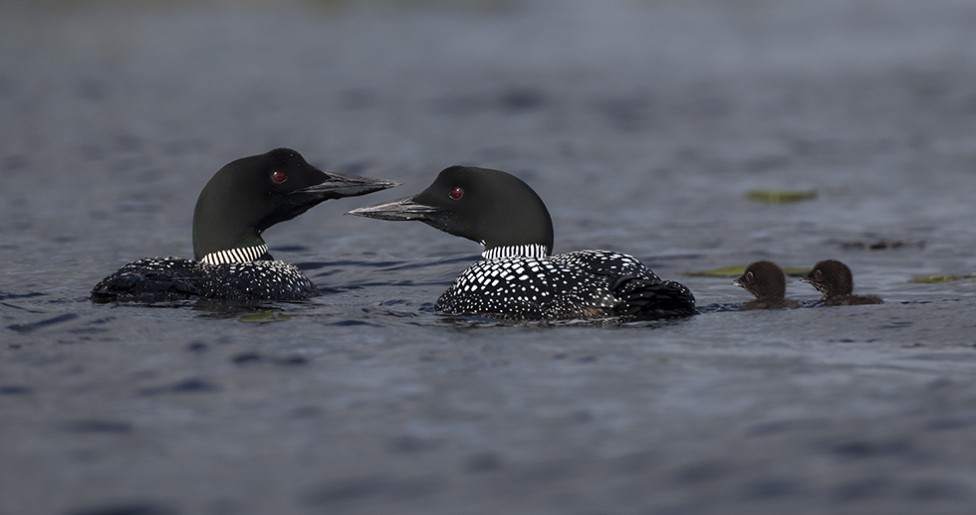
749	275
278	177
456	193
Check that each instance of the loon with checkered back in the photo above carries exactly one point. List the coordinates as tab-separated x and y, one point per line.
519	278
231	260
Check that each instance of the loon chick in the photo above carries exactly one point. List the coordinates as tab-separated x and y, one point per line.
835	281
767	282
518	277
231	260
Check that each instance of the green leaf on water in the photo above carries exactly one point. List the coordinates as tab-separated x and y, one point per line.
929	279
780	196
734	271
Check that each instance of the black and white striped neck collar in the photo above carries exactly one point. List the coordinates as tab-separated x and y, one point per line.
238	255
533	250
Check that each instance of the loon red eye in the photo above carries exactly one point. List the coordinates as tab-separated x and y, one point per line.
279	177
456	193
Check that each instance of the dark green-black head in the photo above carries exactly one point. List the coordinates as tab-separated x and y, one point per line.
491	207
250	194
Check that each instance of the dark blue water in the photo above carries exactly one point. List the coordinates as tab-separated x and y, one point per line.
642	124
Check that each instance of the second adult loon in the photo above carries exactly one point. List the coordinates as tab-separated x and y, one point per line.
519	277
231	260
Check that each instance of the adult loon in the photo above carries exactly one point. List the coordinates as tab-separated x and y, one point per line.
835	281
767	282
231	260
519	277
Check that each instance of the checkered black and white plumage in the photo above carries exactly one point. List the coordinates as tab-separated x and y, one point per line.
173	278
256	280
582	284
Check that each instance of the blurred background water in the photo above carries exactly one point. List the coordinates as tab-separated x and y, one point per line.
643	124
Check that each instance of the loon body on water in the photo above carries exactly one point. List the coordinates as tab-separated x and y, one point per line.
231	260
835	280
519	278
767	282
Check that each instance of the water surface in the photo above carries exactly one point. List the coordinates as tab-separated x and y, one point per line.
642	124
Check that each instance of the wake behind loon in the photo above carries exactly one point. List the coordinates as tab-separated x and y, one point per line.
231	260
519	277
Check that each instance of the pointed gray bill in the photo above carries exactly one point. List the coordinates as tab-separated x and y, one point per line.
397	210
337	185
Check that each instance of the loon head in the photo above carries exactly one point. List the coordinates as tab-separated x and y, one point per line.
491	207
832	278
764	279
250	194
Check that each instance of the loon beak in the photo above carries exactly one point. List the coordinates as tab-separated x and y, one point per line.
337	185
397	210
737	282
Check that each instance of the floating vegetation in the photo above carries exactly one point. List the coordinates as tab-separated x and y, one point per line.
733	271
931	279
881	244
725	271
780	196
